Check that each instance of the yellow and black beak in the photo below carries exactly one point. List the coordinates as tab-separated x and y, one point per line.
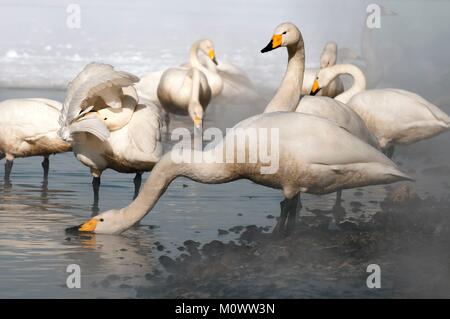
212	56
315	88
276	42
88	226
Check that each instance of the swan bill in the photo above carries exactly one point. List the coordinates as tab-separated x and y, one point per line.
315	88
274	43
197	121
88	226
212	56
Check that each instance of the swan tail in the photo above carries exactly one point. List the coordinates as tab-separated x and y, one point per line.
91	125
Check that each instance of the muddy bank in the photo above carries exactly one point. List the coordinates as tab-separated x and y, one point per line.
409	238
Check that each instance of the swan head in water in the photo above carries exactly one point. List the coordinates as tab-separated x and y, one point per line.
329	55
207	47
195	110
109	222
285	35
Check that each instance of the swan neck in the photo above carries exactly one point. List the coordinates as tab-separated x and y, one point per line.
164	172
193	57
195	91
288	94
359	80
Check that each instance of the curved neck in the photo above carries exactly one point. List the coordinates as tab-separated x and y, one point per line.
164	172
195	90
359	80
193	57
288	94
114	118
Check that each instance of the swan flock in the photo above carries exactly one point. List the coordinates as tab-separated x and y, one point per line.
328	138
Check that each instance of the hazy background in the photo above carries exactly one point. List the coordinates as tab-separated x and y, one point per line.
37	49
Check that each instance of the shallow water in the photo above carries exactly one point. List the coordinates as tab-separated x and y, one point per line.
35	251
34	248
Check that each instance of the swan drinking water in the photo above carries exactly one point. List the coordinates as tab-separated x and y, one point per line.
315	156
394	116
28	127
106	125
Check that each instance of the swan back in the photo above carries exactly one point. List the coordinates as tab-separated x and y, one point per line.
339	113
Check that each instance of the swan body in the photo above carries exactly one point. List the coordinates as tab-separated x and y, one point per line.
394	116
28	127
125	136
184	92
341	114
343	161
398	116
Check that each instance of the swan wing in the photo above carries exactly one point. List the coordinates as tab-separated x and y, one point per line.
94	78
90	124
144	132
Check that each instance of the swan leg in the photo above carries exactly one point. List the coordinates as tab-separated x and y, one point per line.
288	216
338	201
167	122
294	208
137	184
45	166
338	211
8	168
96	189
390	151
279	227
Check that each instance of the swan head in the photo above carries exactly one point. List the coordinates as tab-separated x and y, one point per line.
323	78
117	118
329	55
109	222
207	47
196	113
285	35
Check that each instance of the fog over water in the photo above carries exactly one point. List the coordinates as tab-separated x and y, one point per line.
39	54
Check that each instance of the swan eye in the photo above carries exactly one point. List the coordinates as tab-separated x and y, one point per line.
284	32
102	220
105	118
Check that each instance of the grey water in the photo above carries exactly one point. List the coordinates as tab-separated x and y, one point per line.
35	251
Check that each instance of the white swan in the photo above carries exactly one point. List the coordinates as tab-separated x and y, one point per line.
289	92
394	116
148	85
28	127
288	97
328	58
372	63
315	156
236	83
106	125
184	91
